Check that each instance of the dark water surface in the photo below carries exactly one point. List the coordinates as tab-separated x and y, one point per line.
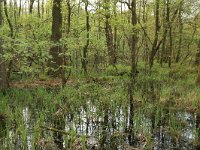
89	129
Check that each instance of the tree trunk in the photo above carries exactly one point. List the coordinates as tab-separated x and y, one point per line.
133	41
68	21
20	7
31	6
85	48
115	31
8	19
198	78
170	45
43	8
133	47
157	28
170	35
56	61
197	59
164	36
3	73
10	64
38	8
180	32
109	34
198	63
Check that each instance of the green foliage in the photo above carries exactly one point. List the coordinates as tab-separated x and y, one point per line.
119	69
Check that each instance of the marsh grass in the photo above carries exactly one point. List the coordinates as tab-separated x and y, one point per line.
95	112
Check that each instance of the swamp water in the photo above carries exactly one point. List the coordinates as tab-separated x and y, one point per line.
94	123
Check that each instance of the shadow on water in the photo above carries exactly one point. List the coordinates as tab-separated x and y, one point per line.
105	127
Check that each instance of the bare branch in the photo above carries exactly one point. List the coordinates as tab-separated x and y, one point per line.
128	5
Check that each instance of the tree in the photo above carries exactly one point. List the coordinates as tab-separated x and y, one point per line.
180	20
3	73
156	44
56	51
31	6
85	48
133	39
109	34
198	63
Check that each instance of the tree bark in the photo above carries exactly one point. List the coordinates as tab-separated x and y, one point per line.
20	7
31	6
10	63
133	41
155	45
164	36
115	44
56	61
43	8
180	31
170	35
198	63
39	9
85	48
8	19
197	59
109	34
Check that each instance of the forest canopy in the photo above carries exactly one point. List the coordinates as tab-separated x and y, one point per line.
91	35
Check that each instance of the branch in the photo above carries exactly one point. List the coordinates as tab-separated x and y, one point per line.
54	129
145	33
8	19
128	5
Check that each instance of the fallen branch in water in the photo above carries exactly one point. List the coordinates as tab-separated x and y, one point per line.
54	129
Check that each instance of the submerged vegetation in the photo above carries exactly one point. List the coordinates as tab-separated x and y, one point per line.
99	74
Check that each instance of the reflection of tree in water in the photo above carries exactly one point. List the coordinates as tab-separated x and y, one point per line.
104	130
59	123
198	130
2	129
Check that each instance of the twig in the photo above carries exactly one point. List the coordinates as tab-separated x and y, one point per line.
145	33
124	2
54	129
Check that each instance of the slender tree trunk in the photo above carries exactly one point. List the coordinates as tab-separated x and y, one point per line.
10	64
31	6
20	7
197	59
144	36
165	30
170	34
198	63
8	19
39	9
170	46
115	30
43	8
64	78
133	47
69	8
109	34
15	11
56	60
180	32
96	55
157	28
85	48
133	39
3	73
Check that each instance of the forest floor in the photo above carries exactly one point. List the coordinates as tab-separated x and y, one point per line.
49	83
